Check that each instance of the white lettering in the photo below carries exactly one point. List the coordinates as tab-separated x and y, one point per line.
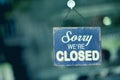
95	55
73	56
59	56
81	55
88	56
69	37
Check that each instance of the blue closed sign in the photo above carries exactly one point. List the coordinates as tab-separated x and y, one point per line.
74	46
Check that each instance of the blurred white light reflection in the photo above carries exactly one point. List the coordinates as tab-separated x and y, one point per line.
107	21
68	77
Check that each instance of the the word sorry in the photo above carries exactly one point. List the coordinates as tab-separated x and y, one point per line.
70	37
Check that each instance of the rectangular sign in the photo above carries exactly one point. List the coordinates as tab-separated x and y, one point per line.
74	46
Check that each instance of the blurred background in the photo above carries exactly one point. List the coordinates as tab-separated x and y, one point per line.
26	47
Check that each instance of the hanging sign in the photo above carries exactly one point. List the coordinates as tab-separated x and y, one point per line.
74	46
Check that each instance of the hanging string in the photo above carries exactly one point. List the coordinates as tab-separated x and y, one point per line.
81	17
79	14
68	12
71	5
